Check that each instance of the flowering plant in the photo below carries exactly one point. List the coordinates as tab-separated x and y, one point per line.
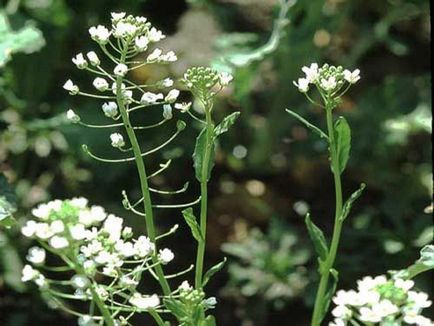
378	300
105	261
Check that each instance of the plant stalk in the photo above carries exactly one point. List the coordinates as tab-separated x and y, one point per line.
329	262
204	197
147	202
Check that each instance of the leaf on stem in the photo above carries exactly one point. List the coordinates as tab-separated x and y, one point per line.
192	223
310	126
317	237
349	203
175	307
226	124
423	264
212	271
331	290
199	153
209	321
343	142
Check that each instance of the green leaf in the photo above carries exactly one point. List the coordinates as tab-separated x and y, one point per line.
198	155
7	203
310	126
343	142
28	39
331	290
210	321
192	223
349	203
317	237
423	264
226	124
175	307
212	271
427	256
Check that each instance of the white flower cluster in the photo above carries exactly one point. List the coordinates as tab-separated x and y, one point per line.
94	239
328	79
381	301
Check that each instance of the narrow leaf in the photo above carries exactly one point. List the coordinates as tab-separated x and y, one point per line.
331	290
226	124
192	223
175	307
343	142
212	271
349	203
310	126
317	237
199	153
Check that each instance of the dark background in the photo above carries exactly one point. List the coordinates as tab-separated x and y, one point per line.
269	168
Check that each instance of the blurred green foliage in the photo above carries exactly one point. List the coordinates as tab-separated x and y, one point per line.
267	164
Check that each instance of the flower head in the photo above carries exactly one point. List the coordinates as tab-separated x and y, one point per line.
302	85
99	34
166	256
117	140
93	58
110	109
80	61
71	87
352	77
120	70
100	84
72	116
36	255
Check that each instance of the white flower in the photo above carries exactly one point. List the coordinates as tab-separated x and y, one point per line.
337	322
113	226
89	267
127	232
57	226
86	320
419	299
302	84
225	78
183	107
72	116
80	61
168	57
172	96
71	88
166	256
40	281
151	98
117	140
80	281
154	35
185	286
167	112
92	248
93	58
143	246
79	202
120	70
328	84
43	231
311	72
29	273
341	312
127	281
345	297
144	302
352	77
100	84
85	217
58	242
98	213
29	229
167	82
141	43
369	315
110	109
128	96
116	16
36	255
102	293
55	205
114	87
368	283
123	29
404	284
42	211
126	249
141	19
415	319
385	308
99	34
155	55
78	231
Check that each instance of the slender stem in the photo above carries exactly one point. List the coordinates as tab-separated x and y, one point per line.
204	196
147	202
328	264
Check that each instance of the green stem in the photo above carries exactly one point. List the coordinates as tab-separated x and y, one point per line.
147	202
204	197
328	264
